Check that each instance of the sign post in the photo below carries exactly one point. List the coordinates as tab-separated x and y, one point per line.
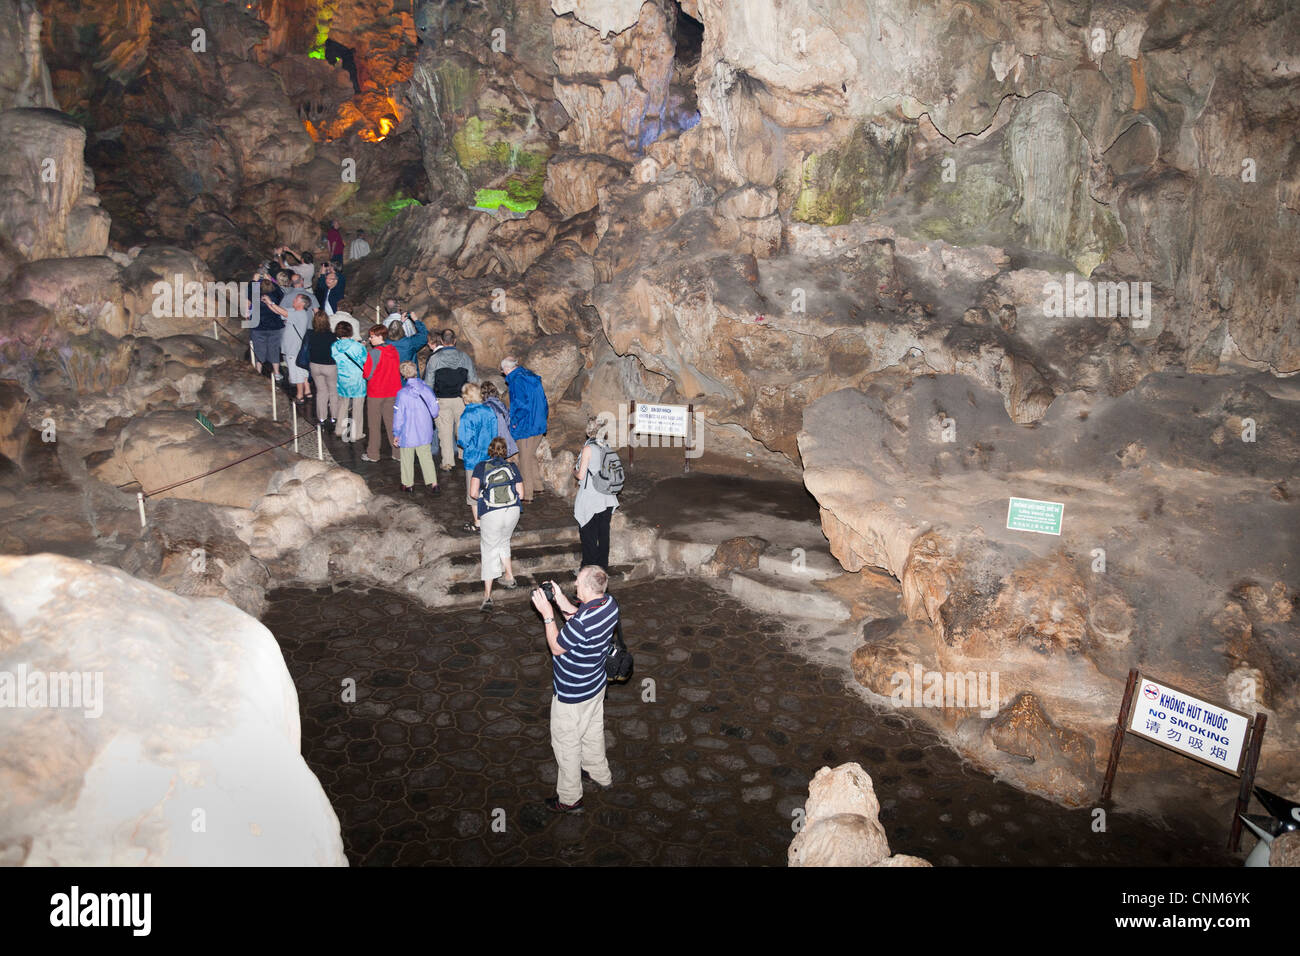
666	421
631	443
1220	737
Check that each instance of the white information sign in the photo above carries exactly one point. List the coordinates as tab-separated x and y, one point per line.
1193	727
669	420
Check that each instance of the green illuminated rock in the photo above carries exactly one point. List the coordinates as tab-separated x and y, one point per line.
853	179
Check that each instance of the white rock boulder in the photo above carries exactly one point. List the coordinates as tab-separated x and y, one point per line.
176	739
841	823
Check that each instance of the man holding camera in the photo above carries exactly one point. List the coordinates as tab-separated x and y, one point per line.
578	653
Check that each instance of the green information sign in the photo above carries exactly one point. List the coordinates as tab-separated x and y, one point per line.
1026	514
203	420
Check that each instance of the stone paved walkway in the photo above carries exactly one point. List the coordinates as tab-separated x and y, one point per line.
445	757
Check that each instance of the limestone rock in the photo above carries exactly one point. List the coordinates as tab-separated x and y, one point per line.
557	474
846	789
41	180
573	180
556	359
842	839
607	16
300	501
24	78
736	554
13	420
841	823
162	281
189	707
1022	729
83	294
164	447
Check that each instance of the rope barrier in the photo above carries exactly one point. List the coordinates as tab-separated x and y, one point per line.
208	474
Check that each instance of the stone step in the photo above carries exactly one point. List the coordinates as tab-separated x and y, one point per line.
780	594
471	591
679	556
526	558
811	565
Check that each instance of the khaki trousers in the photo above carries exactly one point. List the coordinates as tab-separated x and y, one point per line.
528	470
449	410
376	409
325	379
578	739
407	458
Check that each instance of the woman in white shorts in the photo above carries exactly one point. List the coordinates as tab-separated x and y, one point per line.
496	487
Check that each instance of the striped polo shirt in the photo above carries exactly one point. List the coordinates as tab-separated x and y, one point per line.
585	637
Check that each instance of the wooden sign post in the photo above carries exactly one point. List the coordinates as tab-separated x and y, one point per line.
1220	737
666	421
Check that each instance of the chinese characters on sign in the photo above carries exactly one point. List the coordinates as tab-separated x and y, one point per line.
1181	722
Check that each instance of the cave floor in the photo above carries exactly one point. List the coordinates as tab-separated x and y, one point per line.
445	756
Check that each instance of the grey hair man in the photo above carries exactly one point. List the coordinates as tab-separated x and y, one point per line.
578	653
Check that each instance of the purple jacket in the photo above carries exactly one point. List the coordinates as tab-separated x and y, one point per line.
413	414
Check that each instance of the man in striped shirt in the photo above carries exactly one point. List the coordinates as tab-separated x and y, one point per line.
578	652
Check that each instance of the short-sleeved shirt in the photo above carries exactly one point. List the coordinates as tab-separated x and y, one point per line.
480	472
579	672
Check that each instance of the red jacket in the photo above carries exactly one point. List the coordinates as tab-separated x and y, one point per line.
385	379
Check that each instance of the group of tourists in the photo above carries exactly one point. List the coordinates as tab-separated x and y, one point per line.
368	385
295	296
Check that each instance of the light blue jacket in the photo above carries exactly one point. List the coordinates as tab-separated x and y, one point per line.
350	358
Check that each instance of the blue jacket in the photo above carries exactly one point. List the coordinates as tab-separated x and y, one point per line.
503	424
477	428
413	414
528	408
350	359
410	346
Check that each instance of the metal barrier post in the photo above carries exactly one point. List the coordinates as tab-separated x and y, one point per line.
214	331
294	407
139	497
320	443
275	417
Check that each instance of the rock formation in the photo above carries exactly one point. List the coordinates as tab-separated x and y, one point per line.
841	825
143	728
931	256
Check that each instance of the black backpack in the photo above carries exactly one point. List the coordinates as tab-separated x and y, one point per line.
447	381
618	663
